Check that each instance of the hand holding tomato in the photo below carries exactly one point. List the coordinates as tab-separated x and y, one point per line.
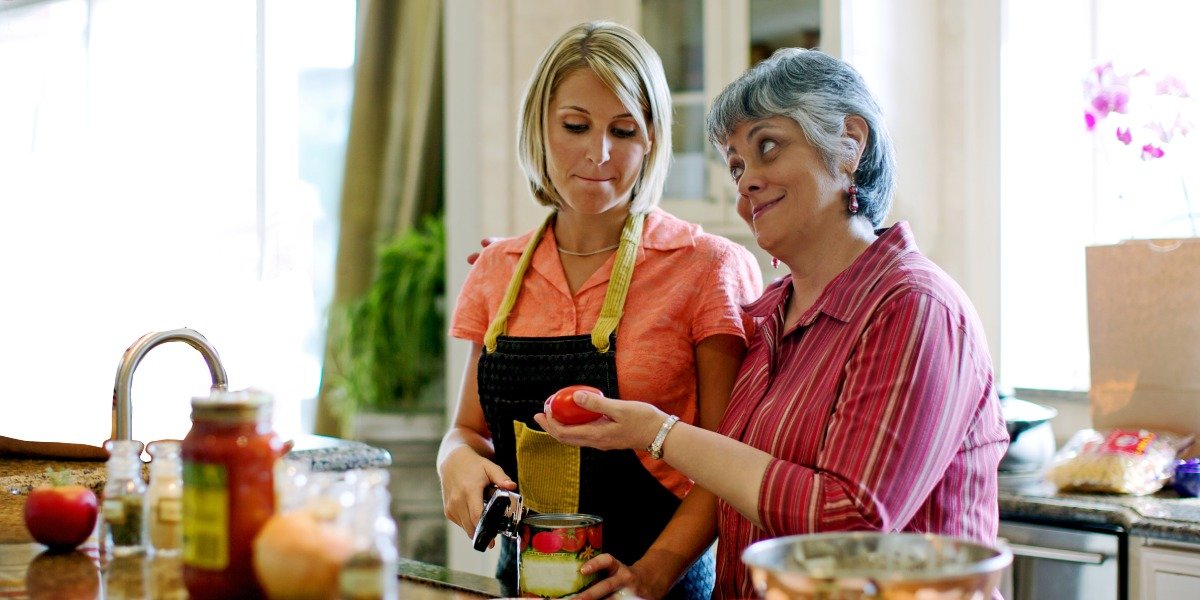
60	515
561	405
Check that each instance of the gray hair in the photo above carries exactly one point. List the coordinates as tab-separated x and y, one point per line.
818	92
627	64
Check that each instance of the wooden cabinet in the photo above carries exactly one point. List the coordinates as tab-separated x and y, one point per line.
1161	570
704	45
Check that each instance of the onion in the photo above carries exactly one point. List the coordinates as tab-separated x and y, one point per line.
297	556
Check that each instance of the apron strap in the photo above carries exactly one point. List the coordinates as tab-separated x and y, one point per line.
500	323
614	297
618	283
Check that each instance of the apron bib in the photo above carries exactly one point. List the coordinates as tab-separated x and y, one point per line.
517	374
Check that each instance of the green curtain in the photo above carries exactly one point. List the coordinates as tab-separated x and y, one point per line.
393	171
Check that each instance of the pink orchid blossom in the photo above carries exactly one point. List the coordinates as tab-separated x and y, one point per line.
1124	135
1151	152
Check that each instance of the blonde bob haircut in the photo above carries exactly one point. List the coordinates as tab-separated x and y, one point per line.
633	71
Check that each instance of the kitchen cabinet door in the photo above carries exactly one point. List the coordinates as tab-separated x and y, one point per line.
1167	572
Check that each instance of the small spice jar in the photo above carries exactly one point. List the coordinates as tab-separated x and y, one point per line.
229	458
164	498
122	532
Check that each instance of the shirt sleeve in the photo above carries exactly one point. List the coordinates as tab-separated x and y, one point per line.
733	281
912	388
471	314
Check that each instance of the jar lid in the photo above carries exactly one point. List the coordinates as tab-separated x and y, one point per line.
232	405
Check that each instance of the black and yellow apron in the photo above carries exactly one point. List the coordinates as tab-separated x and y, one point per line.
517	374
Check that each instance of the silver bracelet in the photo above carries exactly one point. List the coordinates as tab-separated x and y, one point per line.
656	447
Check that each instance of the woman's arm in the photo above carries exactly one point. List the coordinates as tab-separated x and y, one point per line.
724	466
912	387
464	464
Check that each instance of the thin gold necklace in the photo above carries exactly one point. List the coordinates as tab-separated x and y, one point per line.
592	253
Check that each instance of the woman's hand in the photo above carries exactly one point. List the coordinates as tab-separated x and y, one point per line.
464	475
484	243
618	578
626	424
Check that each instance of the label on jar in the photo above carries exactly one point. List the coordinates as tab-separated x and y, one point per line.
114	511
205	516
170	510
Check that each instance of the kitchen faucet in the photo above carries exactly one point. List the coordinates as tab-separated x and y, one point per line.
122	407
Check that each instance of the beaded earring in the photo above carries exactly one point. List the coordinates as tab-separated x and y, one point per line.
853	199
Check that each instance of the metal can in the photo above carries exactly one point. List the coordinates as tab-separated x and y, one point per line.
552	549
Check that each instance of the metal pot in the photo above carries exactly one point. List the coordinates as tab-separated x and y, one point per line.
892	566
1031	439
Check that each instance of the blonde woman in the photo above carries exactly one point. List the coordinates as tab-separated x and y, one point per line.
610	292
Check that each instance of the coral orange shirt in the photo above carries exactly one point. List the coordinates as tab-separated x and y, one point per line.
687	285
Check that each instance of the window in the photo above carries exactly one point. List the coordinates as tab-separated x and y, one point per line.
1061	191
166	164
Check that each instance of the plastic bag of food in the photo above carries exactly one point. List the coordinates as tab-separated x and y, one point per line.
1118	461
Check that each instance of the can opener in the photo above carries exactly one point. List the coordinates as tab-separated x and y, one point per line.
501	515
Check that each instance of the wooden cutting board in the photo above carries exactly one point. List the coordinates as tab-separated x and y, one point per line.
15	448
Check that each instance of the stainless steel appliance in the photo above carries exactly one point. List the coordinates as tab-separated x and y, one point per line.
1063	563
1031	440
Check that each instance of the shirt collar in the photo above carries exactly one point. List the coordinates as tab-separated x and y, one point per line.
843	296
661	231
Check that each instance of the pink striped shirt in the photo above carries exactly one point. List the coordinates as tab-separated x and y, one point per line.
878	408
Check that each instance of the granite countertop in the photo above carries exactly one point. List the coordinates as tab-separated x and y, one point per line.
20	475
319	453
27	570
1163	515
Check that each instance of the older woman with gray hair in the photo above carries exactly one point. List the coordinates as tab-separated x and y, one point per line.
866	399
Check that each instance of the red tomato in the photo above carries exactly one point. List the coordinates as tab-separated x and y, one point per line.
561	405
595	537
61	517
547	542
573	538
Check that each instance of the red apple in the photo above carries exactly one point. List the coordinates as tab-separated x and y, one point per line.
60	515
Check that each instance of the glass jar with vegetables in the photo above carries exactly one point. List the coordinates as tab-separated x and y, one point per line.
122	533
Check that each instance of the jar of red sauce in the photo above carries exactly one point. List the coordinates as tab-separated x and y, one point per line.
229	460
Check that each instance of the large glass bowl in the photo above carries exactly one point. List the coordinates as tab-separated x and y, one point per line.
893	566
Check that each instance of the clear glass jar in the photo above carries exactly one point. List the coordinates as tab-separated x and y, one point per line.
123	531
371	571
229	458
164	498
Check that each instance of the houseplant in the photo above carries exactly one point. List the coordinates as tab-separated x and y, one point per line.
391	341
388	386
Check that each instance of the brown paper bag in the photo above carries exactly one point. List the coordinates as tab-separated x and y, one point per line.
1144	334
